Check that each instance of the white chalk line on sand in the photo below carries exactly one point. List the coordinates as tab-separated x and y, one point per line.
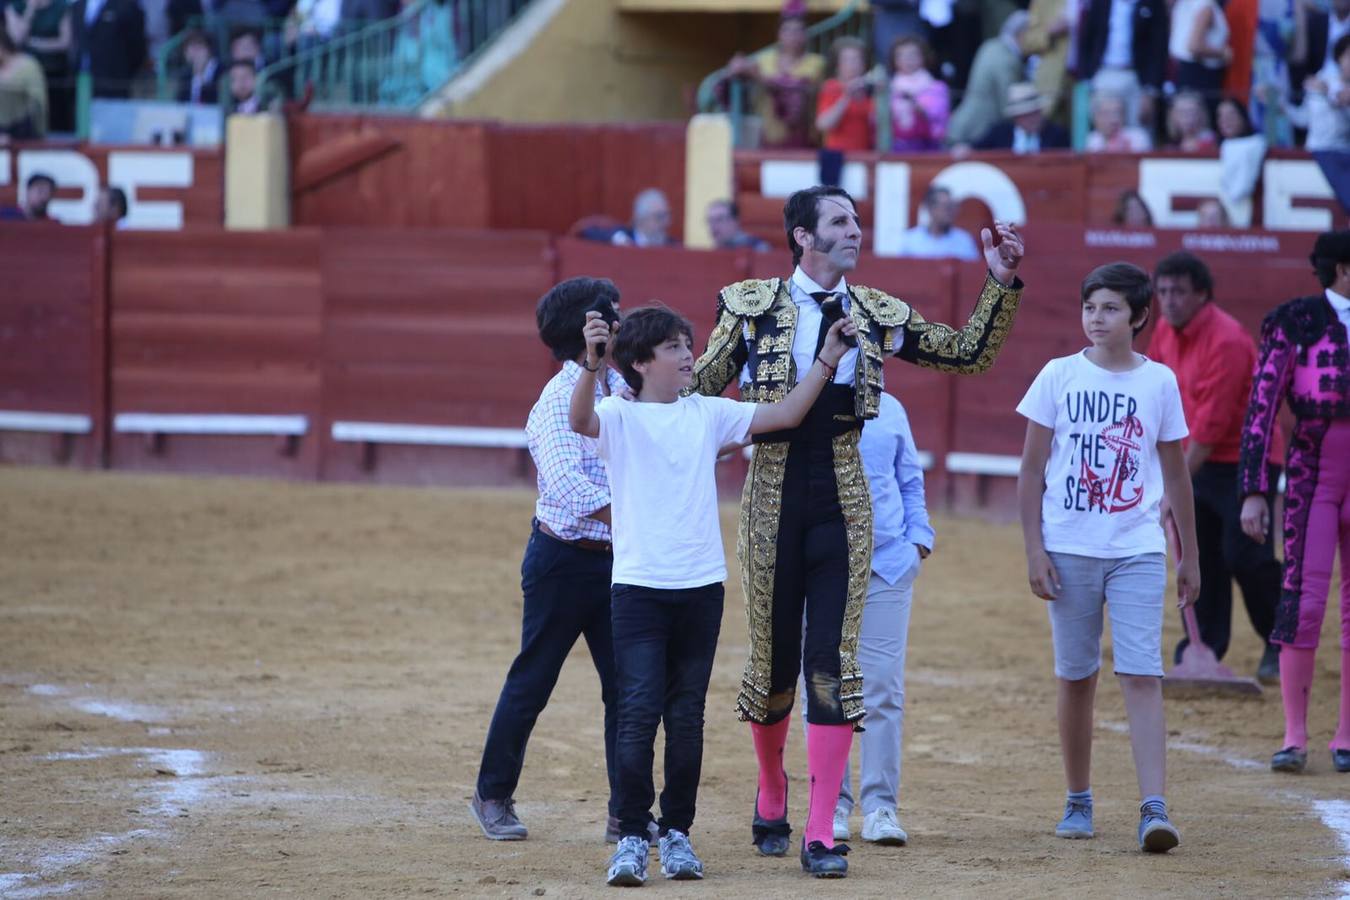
1335	814
183	788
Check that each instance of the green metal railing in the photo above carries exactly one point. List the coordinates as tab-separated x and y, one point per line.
396	64
849	21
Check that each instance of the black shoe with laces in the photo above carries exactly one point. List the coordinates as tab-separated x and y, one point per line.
824	862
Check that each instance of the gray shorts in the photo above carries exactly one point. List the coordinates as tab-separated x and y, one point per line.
1131	589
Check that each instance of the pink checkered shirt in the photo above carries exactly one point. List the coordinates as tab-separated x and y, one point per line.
573	482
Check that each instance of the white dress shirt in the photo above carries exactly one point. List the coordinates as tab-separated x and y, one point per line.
1342	306
1119	52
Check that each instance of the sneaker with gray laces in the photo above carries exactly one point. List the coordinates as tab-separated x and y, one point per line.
498	819
628	865
1077	821
679	862
1157	834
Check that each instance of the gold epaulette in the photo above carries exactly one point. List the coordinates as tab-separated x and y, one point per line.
887	311
752	296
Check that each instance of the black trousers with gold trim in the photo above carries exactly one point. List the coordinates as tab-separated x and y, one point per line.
805	548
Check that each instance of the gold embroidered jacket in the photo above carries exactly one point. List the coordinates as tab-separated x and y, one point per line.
757	321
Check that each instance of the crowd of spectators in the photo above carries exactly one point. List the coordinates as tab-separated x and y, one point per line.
110	204
947	75
221	46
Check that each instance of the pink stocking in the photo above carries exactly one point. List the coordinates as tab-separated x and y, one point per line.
827	748
769	743
1296	675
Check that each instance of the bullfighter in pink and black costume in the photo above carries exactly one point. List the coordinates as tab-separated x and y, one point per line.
1305	360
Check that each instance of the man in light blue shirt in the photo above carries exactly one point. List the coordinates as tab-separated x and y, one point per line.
939	238
902	538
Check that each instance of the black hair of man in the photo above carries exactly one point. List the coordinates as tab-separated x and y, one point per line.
1332	247
39	178
802	210
1338	49
930	196
1183	262
561	313
733	209
1127	280
640	333
118	200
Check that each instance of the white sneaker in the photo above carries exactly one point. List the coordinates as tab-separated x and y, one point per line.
841	832
881	827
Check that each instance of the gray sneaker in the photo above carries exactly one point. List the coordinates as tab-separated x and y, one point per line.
498	819
1157	834
1077	821
678	860
628	865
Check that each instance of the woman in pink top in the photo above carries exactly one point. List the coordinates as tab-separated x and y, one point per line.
920	103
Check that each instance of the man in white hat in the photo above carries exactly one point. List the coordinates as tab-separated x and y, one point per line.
1024	128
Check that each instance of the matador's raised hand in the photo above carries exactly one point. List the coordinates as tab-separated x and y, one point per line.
1003	259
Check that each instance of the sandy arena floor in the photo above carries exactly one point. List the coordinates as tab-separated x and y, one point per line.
223	688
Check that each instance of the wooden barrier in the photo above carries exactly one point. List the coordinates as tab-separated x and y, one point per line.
53	344
472	174
216	348
412	355
430	343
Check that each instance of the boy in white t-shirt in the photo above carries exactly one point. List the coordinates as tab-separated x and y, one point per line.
1103	446
669	565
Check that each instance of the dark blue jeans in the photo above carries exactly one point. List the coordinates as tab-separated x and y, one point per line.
566	596
664	642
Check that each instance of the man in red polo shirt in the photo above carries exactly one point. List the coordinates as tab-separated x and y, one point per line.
1213	357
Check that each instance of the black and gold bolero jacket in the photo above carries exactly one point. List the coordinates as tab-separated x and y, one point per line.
757	320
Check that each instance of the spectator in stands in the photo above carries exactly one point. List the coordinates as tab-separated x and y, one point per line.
1325	112
997	65
110	44
724	224
1132	211
1122	49
1241	152
1109	132
920	104
785	77
1188	124
424	53
651	222
1321	30
23	93
1198	46
313	22
37	194
844	113
1049	36
939	237
110	205
43	30
1025	130
246	44
1271	67
244	99
895	19
1242	17
198	83
1210	214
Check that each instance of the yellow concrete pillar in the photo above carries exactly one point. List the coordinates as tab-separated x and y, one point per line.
257	173
707	173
